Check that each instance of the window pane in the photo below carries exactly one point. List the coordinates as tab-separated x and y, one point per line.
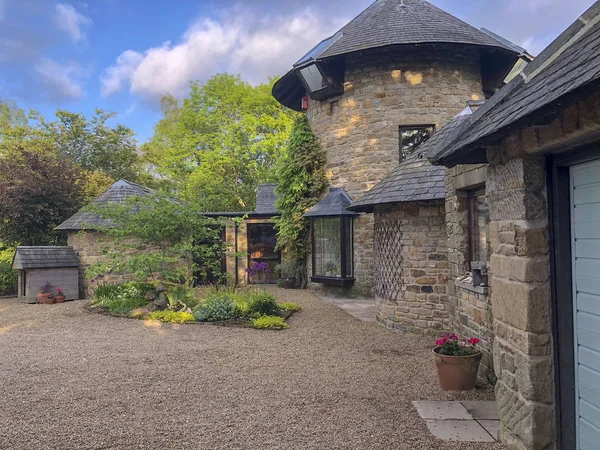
478	218
327	247
413	137
313	78
349	246
261	248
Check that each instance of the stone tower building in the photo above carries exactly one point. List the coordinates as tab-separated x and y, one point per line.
376	90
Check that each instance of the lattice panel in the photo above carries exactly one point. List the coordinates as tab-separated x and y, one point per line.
387	252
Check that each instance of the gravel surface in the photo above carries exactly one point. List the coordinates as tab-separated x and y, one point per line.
73	379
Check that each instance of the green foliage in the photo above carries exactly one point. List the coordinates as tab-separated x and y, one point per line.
262	303
38	191
8	276
269	322
291	307
301	181
216	307
172	316
177	240
178	295
120	298
220	143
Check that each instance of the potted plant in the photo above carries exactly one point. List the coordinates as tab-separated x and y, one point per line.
288	271
46	296
457	362
59	297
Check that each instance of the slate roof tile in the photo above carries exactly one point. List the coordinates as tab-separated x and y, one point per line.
49	257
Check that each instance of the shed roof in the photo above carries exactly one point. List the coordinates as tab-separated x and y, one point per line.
119	192
568	68
51	257
335	203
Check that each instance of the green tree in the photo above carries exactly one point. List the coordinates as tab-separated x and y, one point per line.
220	143
38	191
92	144
301	181
158	234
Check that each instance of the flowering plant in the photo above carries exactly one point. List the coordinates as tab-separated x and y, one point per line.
60	292
260	270
450	345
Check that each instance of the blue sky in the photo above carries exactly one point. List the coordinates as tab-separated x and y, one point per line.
122	55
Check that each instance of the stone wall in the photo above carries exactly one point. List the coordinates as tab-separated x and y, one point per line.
385	89
91	247
411	267
469	307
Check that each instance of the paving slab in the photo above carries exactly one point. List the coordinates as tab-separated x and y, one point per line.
482	409
442	410
491	426
459	430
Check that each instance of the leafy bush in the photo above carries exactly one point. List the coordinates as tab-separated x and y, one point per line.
120	298
216	307
291	307
104	293
8	276
269	322
263	304
241	307
181	294
172	316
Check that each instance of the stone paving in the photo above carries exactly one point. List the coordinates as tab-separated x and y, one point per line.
363	309
464	421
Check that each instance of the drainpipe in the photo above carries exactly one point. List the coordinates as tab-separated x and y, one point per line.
237	281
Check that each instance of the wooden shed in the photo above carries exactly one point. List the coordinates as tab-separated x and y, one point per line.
38	266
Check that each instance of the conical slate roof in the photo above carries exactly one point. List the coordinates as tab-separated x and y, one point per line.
393	22
119	192
333	204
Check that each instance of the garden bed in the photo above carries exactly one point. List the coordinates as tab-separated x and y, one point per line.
223	306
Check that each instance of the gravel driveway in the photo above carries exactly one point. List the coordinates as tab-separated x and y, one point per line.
72	379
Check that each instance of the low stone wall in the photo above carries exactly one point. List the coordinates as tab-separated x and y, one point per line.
411	267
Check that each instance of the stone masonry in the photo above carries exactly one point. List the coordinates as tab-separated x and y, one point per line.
385	89
411	276
469	307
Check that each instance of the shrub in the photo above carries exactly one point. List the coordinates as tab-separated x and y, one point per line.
263	304
291	307
269	322
216	307
120	298
241	307
181	294
104	293
172	316
8	276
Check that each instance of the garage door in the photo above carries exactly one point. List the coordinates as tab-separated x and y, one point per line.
585	204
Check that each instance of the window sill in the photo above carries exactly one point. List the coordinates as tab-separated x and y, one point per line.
333	281
484	290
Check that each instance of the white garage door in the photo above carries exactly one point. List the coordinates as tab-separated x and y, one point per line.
585	204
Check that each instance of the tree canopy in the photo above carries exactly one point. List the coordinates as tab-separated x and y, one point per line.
220	143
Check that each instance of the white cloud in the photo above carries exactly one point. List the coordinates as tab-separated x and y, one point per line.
239	42
71	21
60	81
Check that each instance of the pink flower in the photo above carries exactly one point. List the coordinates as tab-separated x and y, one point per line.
474	341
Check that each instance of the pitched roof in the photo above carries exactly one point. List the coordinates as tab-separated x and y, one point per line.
568	65
119	192
265	199
44	258
393	22
335	203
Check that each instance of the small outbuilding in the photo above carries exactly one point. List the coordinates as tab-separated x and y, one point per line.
38	266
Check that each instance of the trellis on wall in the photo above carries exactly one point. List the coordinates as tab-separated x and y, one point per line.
387	251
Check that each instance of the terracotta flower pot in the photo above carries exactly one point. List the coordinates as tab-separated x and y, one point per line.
46	299
59	299
457	373
288	283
